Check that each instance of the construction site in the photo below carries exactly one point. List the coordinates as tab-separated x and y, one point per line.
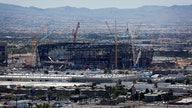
76	54
85	55
70	56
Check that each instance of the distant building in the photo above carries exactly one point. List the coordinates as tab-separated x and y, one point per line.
3	54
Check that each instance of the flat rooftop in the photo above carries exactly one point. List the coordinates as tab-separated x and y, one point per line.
41	84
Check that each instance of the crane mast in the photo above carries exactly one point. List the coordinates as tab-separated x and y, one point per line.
132	44
116	43
74	32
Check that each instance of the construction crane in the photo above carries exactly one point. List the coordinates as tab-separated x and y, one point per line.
116	43
62	33
133	35
34	43
74	32
132	44
47	35
138	58
108	27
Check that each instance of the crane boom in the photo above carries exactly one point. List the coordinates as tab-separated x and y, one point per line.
138	57
133	35
108	27
48	34
33	37
34	42
74	33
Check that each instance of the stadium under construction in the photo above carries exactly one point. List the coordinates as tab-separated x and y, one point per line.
87	55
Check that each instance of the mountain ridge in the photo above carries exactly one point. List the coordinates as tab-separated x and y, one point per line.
17	16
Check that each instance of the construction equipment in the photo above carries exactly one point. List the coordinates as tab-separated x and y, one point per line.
62	33
133	35
74	32
34	43
108	27
138	58
47	35
116	43
132	44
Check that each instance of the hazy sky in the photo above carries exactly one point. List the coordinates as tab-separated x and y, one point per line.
93	4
